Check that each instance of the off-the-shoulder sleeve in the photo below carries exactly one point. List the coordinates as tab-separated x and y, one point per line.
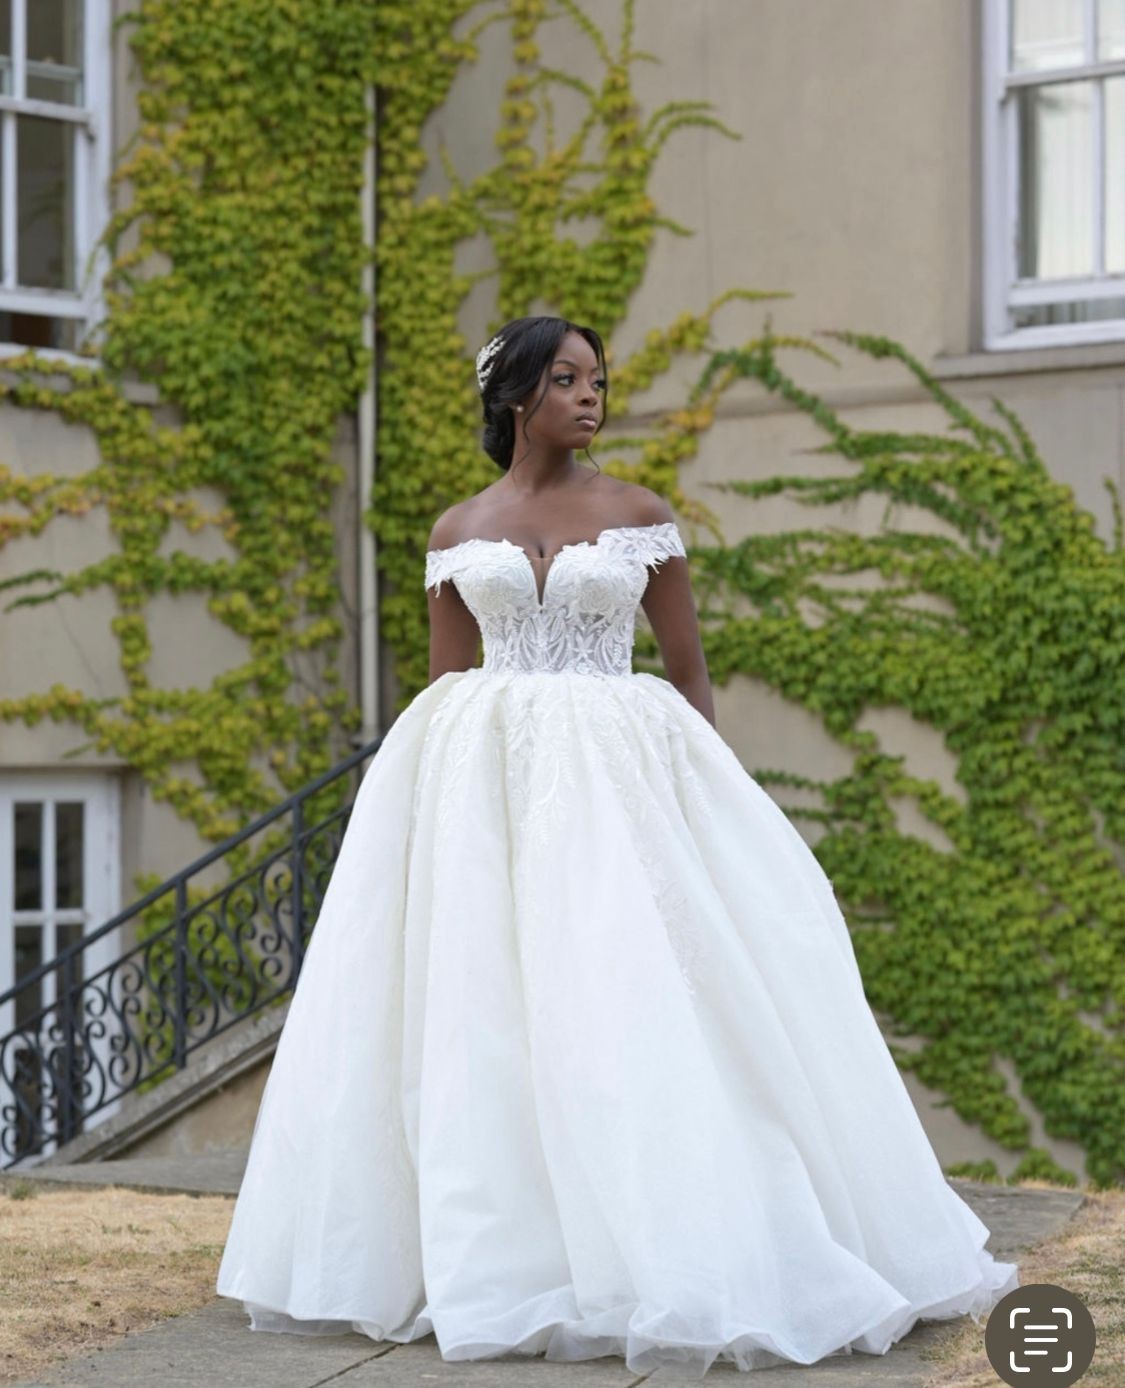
440	565
652	544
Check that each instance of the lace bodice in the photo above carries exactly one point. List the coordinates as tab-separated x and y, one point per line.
584	622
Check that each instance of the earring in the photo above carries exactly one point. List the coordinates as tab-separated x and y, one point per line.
520	408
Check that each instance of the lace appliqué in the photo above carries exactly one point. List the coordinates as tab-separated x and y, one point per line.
585	621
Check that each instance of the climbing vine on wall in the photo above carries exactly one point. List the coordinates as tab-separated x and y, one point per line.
1001	623
243	183
235	290
595	172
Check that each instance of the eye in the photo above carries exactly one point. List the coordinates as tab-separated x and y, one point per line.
567	378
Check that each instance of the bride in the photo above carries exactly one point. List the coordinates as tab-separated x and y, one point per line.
579	1062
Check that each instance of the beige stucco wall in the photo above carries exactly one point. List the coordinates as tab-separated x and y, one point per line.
70	641
854	188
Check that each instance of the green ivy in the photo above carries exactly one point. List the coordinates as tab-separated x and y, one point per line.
522	207
243	185
244	180
1003	627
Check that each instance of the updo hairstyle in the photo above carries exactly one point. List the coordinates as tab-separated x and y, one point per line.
529	347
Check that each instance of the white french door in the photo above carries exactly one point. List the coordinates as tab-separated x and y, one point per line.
60	878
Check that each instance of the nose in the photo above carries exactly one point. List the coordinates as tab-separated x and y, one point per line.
589	394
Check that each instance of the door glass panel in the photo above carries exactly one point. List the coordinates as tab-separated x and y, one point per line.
54	51
27	871
1056	187
45	199
65	936
68	853
29	955
1111	29
68	934
6	47
1046	34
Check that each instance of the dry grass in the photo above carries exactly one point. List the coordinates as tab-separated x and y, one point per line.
1087	1258
80	1268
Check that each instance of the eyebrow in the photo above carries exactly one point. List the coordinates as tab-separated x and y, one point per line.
566	361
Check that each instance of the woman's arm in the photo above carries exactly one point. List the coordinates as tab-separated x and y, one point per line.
669	605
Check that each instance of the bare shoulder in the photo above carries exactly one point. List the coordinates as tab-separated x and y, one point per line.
449	528
463	519
640	504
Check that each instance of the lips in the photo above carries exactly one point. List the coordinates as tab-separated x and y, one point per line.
587	419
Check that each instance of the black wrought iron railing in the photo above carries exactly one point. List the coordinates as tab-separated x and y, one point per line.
84	1029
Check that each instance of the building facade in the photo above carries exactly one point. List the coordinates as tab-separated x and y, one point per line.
949	174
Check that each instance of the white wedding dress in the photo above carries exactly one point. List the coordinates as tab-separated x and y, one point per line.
579	1062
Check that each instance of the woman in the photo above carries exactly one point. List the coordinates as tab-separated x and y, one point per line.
579	1062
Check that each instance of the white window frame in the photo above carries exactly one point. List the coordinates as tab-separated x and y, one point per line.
92	124
1002	291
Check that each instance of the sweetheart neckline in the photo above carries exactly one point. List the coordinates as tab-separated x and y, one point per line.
541	599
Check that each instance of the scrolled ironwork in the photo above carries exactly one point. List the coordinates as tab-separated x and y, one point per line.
205	957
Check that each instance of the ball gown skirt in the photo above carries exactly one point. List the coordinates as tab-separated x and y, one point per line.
579	1062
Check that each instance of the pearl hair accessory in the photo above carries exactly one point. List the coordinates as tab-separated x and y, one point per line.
486	360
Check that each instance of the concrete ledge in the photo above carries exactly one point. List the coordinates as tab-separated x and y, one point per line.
195	1173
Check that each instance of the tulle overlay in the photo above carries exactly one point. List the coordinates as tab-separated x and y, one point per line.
579	1062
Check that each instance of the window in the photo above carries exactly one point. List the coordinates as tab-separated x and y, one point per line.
1054	172
54	128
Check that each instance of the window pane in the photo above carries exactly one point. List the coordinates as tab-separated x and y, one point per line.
45	203
1056	194
1111	29
37	330
68	853
6	47
1088	311
29	955
28	866
1115	175
1047	33
54	50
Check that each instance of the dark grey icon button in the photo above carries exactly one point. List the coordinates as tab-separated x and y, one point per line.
1040	1335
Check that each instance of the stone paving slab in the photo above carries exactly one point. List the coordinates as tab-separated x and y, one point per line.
214	1347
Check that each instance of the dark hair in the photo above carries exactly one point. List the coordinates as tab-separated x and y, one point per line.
529	349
